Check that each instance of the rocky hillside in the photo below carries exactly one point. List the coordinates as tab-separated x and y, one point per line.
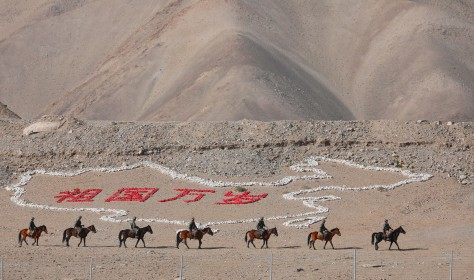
188	60
242	148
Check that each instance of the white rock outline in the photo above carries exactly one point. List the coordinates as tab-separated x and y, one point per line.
308	165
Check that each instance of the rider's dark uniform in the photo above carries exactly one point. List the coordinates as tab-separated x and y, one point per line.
134	226
323	230
78	225
387	230
32	227
192	228
261	227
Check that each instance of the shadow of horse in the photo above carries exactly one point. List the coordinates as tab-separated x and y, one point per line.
378	237
183	235
36	235
313	236
128	233
68	233
254	234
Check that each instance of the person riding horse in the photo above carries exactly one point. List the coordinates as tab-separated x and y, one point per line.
323	230
387	230
32	227
192	228
261	227
78	225
134	226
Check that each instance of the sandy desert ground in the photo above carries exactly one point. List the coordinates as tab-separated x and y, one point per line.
436	212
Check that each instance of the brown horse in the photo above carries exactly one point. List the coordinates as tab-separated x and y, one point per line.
128	233
313	236
378	237
254	234
81	234
36	235
183	235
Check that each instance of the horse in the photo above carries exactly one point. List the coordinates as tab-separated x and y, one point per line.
254	234
82	234
36	235
313	236
393	237
128	233
183	235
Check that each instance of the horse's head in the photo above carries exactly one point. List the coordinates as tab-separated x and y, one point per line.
148	228
336	231
92	228
208	230
274	231
43	228
402	230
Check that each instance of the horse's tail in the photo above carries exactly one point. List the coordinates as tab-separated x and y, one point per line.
373	237
178	238
309	237
120	236
19	236
246	235
64	235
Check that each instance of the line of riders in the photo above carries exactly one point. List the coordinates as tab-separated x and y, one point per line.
261	228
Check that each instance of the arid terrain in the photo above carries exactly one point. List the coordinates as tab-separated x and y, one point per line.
231	110
436	213
226	60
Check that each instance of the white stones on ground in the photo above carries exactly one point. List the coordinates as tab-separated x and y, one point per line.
41	127
303	220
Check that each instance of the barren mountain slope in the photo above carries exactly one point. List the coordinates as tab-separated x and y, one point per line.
230	60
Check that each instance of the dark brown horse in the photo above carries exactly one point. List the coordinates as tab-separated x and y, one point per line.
35	235
183	235
254	234
313	236
378	237
128	233
81	234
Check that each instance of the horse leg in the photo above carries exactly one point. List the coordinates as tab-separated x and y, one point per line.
325	244
178	240
396	243
84	242
377	241
263	244
186	242
67	240
136	244
330	241
251	240
200	242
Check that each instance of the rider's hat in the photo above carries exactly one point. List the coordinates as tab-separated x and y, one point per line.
386	221
261	218
134	218
32	218
80	217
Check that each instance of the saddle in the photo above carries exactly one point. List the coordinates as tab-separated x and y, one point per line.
262	232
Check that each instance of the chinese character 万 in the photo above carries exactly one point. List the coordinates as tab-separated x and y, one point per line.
198	193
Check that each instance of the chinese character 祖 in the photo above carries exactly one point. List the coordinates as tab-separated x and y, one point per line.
132	194
77	196
198	193
243	198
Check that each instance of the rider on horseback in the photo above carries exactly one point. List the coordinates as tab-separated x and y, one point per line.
261	227
32	227
78	225
192	228
323	230
134	227
387	230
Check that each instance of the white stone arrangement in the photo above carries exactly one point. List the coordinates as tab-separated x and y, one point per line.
300	220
